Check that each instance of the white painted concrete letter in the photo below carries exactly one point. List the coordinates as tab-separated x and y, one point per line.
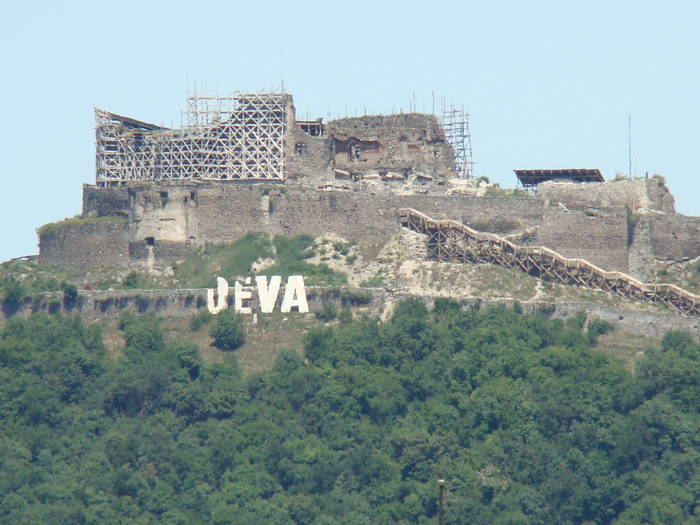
221	300
240	296
295	295
267	295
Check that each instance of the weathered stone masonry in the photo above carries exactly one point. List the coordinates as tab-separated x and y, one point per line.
176	218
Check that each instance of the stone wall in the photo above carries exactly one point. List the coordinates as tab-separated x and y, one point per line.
638	195
105	202
308	159
108	305
598	235
178	217
413	142
675	237
85	243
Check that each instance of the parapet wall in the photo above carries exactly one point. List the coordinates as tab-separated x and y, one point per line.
637	195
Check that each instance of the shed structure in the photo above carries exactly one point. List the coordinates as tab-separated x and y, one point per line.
529	179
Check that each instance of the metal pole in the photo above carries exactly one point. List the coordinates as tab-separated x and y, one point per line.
441	502
629	135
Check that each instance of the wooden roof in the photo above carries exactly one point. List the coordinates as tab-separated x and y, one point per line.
130	122
533	177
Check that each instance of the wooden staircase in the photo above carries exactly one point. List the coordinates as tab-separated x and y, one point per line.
454	242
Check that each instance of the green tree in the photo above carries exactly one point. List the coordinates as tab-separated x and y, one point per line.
227	331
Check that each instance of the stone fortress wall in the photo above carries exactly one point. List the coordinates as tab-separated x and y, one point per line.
127	225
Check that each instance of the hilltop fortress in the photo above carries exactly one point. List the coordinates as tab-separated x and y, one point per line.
244	164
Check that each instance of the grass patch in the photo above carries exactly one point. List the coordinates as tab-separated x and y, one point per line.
233	260
228	260
291	254
495	191
376	281
54	228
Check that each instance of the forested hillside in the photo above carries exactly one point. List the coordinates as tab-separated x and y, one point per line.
524	420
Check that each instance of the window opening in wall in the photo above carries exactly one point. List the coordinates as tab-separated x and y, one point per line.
300	148
354	152
163	198
150	241
314	128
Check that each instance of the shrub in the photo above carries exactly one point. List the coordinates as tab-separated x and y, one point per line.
355	297
14	292
200	319
598	327
660	179
227	331
327	312
70	293
125	319
189	358
376	281
131	280
547	310
345	315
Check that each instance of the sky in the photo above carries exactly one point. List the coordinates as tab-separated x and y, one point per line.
547	84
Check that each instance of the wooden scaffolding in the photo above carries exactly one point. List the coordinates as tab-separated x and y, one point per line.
241	137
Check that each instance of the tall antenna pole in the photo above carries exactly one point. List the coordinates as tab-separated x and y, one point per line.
629	143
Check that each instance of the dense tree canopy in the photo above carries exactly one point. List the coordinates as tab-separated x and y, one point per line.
525	421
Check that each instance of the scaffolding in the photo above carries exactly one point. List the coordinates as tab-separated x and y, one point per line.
239	137
455	123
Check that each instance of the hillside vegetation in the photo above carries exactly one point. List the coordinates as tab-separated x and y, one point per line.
527	424
398	264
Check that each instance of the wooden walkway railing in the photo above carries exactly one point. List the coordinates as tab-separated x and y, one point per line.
453	241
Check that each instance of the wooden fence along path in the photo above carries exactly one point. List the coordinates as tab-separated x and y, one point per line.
455	242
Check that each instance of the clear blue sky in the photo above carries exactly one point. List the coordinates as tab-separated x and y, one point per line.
548	84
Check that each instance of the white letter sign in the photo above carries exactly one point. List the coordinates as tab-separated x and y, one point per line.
221	300
267	295
295	295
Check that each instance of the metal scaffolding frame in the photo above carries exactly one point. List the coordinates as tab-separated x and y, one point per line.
455	123
453	241
241	137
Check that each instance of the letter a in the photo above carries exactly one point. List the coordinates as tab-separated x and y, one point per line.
221	300
268	295
295	295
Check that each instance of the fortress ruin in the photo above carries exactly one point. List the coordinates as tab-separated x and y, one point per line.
244	164
256	138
